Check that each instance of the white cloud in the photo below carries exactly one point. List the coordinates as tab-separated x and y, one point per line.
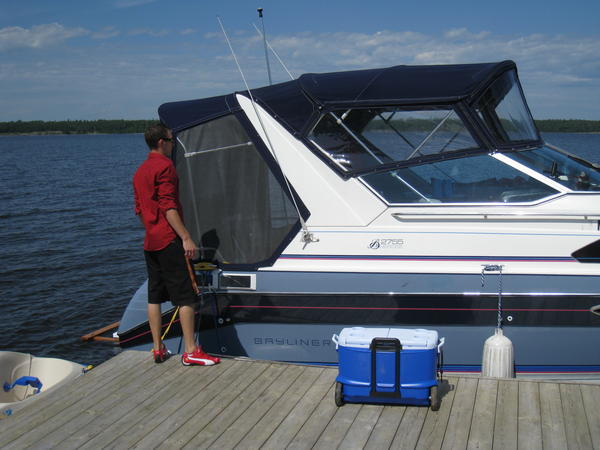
188	31
106	33
37	36
148	32
560	74
130	3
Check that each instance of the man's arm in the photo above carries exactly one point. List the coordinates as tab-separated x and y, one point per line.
189	247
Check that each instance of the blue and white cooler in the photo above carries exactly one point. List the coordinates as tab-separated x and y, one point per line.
388	365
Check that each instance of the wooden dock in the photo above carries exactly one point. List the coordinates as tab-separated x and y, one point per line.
130	402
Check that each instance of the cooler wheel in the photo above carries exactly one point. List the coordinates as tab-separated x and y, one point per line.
339	394
434	399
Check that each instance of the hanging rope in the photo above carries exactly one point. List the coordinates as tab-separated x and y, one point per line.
495	268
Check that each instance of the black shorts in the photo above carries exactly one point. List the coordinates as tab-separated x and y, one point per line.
168	277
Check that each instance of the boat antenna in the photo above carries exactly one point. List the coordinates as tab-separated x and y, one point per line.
307	237
274	52
264	35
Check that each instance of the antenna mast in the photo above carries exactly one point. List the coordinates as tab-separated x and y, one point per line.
260	15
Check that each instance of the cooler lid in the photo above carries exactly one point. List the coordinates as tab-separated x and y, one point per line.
414	339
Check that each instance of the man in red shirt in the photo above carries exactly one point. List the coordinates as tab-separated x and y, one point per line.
167	245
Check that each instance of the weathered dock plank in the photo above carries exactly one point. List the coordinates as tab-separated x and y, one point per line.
209	424
459	422
434	427
238	426
64	397
55	415
270	422
576	426
409	430
169	433
295	420
481	434
591	400
338	426
311	430
553	424
176	389
385	429
530	424
362	427
74	428
507	410
130	402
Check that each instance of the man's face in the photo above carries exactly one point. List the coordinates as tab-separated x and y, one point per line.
166	144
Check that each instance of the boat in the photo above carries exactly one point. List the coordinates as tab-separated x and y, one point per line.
25	377
407	196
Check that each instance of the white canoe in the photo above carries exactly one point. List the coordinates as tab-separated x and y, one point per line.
21	373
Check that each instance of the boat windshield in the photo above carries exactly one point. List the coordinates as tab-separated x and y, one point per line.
503	109
365	138
473	179
571	172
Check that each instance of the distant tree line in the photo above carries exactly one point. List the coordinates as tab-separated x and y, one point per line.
75	127
568	126
139	126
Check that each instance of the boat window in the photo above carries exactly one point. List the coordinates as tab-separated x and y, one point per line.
473	179
573	173
361	139
233	203
503	109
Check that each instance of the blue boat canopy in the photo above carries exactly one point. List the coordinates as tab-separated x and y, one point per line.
294	103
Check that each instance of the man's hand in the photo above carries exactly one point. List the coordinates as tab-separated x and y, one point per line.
190	249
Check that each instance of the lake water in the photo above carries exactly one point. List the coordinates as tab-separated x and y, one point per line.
70	246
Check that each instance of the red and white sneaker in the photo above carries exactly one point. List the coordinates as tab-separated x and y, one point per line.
161	355
199	358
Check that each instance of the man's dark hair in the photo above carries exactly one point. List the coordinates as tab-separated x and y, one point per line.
154	133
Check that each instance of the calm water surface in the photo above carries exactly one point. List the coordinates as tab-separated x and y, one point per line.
70	246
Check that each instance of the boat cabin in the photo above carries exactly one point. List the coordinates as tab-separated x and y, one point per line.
418	136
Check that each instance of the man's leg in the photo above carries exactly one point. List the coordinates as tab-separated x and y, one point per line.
154	319
186	316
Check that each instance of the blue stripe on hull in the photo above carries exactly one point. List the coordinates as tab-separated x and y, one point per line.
297	282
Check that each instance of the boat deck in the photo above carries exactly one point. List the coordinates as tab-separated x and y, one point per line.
129	401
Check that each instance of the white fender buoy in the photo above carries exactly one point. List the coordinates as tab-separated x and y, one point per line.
498	356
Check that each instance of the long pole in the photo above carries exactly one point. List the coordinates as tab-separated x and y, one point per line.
260	15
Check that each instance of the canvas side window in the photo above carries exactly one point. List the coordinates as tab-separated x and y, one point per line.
365	138
504	111
233	204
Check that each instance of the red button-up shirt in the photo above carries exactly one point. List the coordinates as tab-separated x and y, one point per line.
156	190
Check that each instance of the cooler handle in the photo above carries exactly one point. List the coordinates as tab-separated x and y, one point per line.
441	344
335	339
385	344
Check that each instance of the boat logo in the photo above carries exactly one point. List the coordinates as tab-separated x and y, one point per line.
386	243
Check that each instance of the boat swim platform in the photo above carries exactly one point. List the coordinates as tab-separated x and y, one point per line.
131	402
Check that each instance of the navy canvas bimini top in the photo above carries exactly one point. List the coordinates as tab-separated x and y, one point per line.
294	102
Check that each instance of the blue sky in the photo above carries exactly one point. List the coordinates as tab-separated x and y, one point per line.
83	59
